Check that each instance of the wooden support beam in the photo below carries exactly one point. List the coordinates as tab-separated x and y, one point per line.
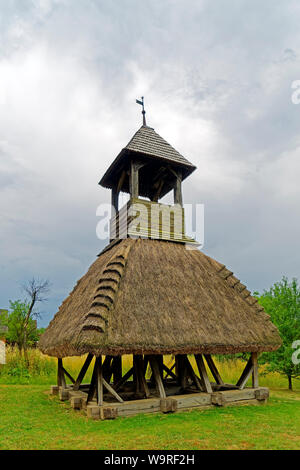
124	379
83	372
158	191
254	357
146	362
134	179
141	375
98	366
169	371
181	370
192	374
136	378
121	181
114	201
92	388
213	369
107	368
245	374
61	381
58	372
68	375
117	369
112	391
203	373
157	377
177	189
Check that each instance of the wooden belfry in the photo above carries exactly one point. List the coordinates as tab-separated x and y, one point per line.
164	308
148	167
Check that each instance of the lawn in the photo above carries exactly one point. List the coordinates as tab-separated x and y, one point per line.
32	419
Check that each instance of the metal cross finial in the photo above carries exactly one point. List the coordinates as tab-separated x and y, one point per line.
141	102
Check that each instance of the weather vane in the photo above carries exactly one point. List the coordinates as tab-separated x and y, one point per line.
141	102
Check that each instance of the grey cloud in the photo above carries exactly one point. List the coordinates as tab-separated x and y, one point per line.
217	82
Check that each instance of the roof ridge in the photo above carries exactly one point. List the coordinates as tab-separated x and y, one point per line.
97	317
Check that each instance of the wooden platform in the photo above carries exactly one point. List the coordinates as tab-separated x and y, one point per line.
170	404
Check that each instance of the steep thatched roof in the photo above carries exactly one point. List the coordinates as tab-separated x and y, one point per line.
149	296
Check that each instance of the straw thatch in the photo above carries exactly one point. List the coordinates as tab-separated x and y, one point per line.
148	296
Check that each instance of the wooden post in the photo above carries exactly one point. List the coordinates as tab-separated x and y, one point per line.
245	374
146	362
157	376
134	180
107	368
169	371
142	381
92	387
117	369
181	370
124	379
83	372
213	369
254	357
114	201
98	366
112	391
192	374
61	381
203	373
136	379
178	190
68	375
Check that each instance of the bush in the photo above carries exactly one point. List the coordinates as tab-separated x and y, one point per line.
40	368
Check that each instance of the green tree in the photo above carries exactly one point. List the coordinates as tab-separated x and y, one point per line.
20	319
15	320
282	303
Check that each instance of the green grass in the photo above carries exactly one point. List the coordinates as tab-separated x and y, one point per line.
32	419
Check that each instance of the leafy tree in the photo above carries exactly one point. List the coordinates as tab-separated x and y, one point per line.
282	303
20	319
15	320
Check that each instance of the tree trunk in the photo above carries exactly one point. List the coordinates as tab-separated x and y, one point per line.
290	382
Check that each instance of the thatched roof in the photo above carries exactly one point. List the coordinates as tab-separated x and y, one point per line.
150	296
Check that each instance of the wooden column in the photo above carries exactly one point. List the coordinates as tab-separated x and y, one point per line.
139	370
99	385
114	201
254	357
178	190
83	372
61	381
203	373
156	374
213	369
117	369
245	375
134	181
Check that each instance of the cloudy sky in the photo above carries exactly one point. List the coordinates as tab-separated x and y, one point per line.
217	79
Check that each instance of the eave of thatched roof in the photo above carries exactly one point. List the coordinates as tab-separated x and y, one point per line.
149	296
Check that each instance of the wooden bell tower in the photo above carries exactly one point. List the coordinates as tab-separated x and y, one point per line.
148	168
